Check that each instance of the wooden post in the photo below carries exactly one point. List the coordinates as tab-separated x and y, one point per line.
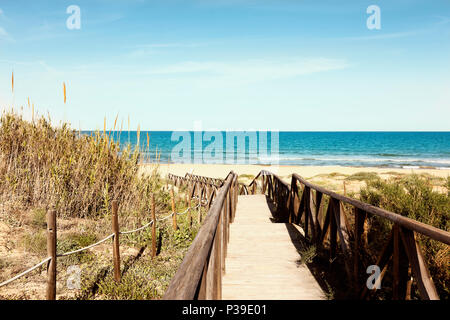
307	193
189	211
318	216
208	195
174	214
116	250
295	202
51	252
153	227
419	268
360	217
312	215
218	265
226	210
333	229
396	262
199	209
409	284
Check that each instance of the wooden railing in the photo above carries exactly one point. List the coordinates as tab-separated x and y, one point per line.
303	203
216	181
200	274
202	189
53	256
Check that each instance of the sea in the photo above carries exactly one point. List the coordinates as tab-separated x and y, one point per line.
356	149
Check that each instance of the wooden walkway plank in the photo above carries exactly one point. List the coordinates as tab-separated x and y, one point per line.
262	261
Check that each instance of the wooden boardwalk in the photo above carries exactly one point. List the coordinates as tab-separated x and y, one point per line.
262	260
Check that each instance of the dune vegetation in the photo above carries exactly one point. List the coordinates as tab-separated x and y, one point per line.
44	166
413	196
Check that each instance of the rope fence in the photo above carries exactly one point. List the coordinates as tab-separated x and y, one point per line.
85	248
25	272
51	250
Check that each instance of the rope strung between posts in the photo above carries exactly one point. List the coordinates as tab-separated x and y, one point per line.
91	246
138	229
85	248
181	213
25	272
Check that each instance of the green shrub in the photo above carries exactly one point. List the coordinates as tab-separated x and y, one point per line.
39	218
43	166
145	279
413	196
363	176
35	242
447	185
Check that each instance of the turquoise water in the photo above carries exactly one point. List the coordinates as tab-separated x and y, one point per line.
380	149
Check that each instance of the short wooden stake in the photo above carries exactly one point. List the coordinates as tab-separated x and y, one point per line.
116	250
51	252
153	227
199	209
409	284
174	214
189	211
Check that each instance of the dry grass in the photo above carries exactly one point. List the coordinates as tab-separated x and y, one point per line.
41	166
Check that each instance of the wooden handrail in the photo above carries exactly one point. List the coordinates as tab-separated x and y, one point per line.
199	275
268	173
401	243
411	224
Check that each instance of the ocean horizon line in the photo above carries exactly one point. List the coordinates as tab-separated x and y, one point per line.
281	131
348	148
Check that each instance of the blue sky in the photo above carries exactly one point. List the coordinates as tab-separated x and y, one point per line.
231	64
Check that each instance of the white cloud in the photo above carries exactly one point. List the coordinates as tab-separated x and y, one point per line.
139	53
442	20
253	70
434	27
149	49
386	35
4	34
171	45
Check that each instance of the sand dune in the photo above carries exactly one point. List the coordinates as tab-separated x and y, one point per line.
331	177
221	170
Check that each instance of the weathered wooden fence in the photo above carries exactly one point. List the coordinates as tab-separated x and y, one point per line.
200	274
321	213
303	203
53	256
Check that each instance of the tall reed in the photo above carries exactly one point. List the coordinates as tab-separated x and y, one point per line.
41	165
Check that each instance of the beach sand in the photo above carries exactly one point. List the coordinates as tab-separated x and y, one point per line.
221	170
331	177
